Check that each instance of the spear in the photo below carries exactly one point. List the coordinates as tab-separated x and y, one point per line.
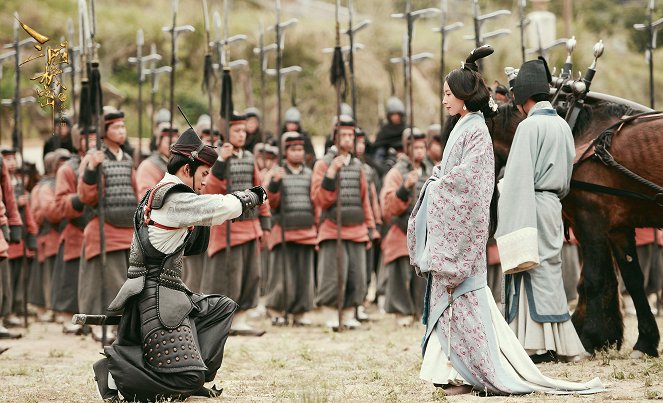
522	24
139	61
410	17
73	51
444	29
154	72
337	77
174	31
652	29
351	32
208	70
479	37
96	103
226	109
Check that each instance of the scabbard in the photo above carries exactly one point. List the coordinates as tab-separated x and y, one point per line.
83	319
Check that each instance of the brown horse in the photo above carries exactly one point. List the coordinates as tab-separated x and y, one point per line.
605	223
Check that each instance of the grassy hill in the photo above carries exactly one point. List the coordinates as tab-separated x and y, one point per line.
622	71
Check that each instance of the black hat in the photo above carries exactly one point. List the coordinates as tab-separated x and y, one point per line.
191	146
237	118
62	119
7	151
533	78
168	131
359	132
112	116
291	139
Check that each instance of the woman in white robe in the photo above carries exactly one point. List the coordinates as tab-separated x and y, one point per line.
467	344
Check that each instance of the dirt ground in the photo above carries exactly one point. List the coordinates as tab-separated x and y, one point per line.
379	362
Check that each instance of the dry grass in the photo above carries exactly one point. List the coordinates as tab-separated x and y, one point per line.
377	363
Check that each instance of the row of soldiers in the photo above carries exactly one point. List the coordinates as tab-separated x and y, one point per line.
247	259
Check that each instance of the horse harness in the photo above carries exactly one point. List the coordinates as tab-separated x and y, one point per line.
598	148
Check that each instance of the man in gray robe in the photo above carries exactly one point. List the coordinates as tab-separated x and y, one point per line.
530	229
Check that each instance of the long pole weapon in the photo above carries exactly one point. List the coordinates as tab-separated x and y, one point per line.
96	99
208	70
154	72
174	32
351	32
139	61
444	29
652	29
337	78
73	51
410	17
479	37
522	24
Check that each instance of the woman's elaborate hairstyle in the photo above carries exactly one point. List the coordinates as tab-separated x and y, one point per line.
467	84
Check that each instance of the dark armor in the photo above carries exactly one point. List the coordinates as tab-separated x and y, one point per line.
404	167
156	159
296	200
119	195
352	212
81	221
241	178
164	302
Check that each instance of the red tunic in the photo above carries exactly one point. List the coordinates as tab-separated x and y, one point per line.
240	231
8	210
148	174
116	238
31	228
645	236
45	210
324	199
304	236
66	182
394	244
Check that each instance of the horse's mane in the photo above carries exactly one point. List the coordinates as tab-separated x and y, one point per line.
508	111
591	111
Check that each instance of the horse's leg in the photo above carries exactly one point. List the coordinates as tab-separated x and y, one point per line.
624	252
597	317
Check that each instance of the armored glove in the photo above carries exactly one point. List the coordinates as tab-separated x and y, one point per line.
251	197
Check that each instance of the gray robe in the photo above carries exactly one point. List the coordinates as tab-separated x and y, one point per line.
530	230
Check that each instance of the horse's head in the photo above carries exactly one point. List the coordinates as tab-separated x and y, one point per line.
502	128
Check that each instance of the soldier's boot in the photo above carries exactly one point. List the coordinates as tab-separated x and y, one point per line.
101	376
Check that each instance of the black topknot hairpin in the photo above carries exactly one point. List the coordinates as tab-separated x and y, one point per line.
476	54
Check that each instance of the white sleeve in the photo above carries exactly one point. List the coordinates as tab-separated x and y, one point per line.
188	209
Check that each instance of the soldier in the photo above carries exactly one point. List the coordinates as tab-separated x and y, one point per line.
405	290
152	169
435	146
236	272
11	226
289	192
77	215
62	137
373	255
119	189
18	251
292	122
357	223
254	131
164	354
389	136
162	116
48	217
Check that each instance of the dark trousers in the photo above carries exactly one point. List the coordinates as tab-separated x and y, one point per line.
136	380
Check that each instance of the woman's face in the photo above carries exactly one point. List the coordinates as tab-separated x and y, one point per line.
454	105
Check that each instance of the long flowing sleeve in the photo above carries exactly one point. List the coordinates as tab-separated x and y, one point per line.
517	230
458	209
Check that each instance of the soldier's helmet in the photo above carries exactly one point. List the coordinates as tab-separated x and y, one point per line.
292	115
252	112
163	115
347	110
395	105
